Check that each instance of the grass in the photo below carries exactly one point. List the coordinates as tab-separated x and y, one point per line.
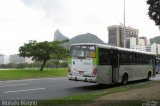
81	99
31	73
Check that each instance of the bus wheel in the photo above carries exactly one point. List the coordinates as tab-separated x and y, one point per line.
124	79
149	75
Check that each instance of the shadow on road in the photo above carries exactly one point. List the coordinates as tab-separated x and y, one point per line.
97	86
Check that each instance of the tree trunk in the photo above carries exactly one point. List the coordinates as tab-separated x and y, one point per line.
57	64
42	66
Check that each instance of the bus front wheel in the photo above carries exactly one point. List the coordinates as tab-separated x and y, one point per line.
124	79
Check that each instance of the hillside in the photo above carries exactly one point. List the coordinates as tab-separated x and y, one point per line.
84	38
155	39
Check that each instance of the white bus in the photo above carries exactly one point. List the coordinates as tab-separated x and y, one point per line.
106	64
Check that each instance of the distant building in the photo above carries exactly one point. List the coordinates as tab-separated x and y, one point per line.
6	59
142	41
139	48
116	35
130	42
1	59
116	38
17	59
148	42
152	48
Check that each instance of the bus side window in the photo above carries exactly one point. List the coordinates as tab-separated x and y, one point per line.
147	59
120	59
150	60
138	59
143	56
104	57
123	58
132	58
153	61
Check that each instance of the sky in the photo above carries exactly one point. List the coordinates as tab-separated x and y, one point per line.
24	20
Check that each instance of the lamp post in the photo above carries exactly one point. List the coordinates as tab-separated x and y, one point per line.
124	33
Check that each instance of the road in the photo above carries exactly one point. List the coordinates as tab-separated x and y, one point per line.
42	89
46	88
157	77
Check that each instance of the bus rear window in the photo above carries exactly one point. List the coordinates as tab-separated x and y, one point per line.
83	51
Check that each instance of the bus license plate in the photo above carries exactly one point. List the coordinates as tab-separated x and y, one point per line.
81	72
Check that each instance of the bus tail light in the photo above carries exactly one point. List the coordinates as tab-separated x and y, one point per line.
94	72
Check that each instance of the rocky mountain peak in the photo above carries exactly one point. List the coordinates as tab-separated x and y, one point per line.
59	36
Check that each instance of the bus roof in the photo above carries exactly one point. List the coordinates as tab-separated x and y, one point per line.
113	47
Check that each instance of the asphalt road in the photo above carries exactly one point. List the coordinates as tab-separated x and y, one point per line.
46	88
42	89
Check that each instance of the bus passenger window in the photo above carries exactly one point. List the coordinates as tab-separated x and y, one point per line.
104	57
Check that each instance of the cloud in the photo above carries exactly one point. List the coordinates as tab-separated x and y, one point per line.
48	6
19	23
23	20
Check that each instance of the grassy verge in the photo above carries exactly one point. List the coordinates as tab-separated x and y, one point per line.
90	97
31	73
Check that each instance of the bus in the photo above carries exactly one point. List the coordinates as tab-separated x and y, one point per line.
157	65
105	64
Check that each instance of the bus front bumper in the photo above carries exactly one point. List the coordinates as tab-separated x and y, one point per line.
85	79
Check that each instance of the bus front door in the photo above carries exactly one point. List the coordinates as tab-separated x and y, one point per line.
115	68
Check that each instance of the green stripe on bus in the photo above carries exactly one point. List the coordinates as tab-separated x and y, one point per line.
94	61
97	55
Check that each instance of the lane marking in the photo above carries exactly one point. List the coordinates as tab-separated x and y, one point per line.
55	78
25	90
13	85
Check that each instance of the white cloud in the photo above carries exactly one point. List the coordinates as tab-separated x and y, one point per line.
18	24
23	20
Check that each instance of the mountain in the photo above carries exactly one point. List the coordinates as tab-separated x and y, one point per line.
59	36
84	38
155	39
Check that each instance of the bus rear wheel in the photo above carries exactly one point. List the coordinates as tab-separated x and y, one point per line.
149	75
124	79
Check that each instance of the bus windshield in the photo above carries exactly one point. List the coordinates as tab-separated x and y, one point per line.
83	51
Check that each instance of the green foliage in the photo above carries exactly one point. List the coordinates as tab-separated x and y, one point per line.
60	55
38	51
44	51
82	99
35	65
154	10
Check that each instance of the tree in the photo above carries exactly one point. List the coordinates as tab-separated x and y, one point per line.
154	11
59	55
43	51
37	51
